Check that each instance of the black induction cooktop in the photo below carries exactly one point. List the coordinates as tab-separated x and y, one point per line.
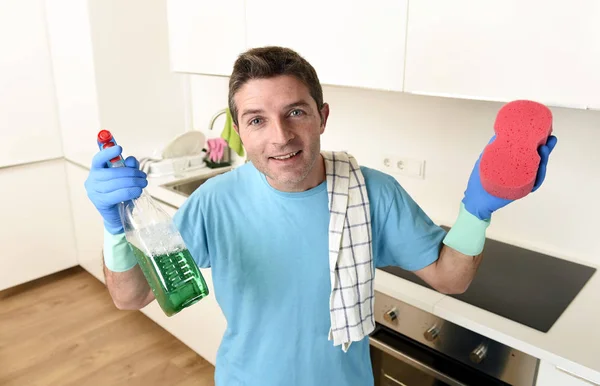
525	286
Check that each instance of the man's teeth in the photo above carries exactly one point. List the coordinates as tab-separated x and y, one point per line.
286	156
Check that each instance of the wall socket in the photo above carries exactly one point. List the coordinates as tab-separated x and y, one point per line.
404	166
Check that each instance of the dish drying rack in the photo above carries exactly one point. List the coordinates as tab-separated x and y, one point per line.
186	152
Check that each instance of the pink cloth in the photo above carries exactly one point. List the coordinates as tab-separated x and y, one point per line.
216	148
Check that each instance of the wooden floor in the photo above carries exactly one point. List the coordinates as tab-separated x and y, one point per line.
64	330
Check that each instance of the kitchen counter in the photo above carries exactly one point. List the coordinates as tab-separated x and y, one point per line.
572	344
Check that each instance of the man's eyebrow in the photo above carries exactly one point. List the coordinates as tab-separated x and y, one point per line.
250	112
300	103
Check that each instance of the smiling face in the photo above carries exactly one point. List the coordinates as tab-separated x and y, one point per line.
280	126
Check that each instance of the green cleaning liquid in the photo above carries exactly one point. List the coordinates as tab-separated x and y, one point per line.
174	279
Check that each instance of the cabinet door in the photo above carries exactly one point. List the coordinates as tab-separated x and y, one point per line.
550	375
205	37
29	128
505	49
89	229
37	236
350	43
200	326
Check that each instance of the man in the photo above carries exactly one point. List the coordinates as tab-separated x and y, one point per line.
263	230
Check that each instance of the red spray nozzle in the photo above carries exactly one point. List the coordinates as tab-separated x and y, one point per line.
104	136
106	140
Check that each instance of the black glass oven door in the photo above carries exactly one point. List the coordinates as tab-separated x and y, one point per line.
399	361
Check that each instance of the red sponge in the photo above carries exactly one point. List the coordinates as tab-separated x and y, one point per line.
509	164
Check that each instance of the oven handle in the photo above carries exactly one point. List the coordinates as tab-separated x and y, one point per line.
413	362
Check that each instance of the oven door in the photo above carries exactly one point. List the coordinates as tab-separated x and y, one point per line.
400	361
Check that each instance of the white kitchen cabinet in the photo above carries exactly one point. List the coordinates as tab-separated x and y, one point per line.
29	129
89	228
550	375
205	37
350	43
503	50
37	233
200	326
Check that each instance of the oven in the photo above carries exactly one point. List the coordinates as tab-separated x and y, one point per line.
411	347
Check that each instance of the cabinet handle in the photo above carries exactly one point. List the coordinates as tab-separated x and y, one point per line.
576	376
393	380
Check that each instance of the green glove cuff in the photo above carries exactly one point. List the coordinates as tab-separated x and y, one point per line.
467	235
118	256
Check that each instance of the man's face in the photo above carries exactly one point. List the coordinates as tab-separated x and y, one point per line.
280	127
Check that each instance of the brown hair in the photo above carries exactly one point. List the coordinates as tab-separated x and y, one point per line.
267	62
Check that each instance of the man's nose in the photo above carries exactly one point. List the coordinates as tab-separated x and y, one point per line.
281	134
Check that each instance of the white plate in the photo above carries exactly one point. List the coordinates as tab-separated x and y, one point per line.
186	144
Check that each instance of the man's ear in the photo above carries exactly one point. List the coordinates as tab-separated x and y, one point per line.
324	115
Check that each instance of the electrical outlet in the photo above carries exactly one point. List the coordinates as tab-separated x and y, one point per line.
404	166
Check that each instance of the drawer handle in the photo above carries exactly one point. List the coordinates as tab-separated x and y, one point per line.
393	380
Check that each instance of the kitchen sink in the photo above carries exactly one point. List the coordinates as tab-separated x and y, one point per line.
187	186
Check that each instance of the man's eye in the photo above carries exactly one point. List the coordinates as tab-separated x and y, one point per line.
296	113
255	121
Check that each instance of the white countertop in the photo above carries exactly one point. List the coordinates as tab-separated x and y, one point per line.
573	342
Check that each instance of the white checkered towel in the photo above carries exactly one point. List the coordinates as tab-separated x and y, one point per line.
350	251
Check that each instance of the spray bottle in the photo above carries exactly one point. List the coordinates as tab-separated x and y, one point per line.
161	253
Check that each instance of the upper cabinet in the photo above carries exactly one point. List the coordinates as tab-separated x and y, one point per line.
505	49
356	44
350	43
205	37
29	128
497	50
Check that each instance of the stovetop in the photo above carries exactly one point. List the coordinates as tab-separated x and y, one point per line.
522	285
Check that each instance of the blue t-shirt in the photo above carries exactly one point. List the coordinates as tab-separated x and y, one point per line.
268	252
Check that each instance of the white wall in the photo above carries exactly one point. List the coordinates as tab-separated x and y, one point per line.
139	99
209	96
449	135
369	123
72	62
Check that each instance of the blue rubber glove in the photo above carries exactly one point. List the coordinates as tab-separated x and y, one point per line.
107	187
467	235
481	204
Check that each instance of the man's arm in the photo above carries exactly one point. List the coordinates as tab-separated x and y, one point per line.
125	280
460	254
129	289
452	273
462	248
